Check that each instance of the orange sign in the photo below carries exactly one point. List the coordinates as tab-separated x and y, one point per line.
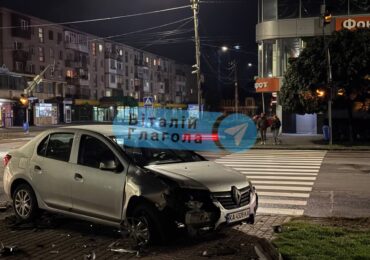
267	85
352	23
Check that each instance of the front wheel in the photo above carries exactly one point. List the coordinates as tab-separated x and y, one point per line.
145	225
25	203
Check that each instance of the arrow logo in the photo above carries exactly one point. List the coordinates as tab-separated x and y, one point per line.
238	132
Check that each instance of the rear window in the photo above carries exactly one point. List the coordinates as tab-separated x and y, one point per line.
56	146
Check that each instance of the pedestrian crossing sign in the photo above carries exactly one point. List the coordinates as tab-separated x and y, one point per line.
148	102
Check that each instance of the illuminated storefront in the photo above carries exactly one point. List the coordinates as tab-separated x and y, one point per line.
283	28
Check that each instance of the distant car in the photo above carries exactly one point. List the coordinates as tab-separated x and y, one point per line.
87	172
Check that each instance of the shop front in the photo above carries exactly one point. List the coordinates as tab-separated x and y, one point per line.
6	112
45	114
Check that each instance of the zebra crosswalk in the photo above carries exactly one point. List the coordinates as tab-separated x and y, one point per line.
283	178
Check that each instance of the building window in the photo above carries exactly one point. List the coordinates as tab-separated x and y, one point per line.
112	64
120	53
51	52
119	65
18	45
100	47
154	62
113	78
51	35
41	35
126	71
101	63
126	56
19	66
93	48
41	54
288	9
269	10
69	73
61	55
311	8
102	78
127	86
147	60
132	69
24	25
59	38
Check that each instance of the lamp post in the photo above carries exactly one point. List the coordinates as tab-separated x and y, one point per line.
326	19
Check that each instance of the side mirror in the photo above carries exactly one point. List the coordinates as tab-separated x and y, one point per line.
109	165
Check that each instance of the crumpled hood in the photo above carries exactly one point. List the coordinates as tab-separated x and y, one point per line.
200	175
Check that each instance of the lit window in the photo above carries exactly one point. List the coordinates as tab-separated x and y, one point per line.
159	62
120	53
155	62
69	73
93	47
41	35
41	54
147	59
100	47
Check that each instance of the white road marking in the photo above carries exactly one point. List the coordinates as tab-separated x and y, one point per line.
283	202
275	166
256	177
279	173
283	194
281	211
284	182
286	188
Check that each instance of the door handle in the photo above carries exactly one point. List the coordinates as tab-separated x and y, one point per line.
78	177
37	169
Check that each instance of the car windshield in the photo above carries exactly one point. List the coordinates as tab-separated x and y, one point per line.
151	155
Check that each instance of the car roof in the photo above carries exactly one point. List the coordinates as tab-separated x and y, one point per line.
107	130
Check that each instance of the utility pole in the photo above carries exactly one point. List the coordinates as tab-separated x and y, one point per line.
236	86
195	7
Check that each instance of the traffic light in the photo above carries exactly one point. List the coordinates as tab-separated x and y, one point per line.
327	18
24	100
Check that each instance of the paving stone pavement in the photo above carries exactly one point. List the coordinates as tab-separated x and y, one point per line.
73	239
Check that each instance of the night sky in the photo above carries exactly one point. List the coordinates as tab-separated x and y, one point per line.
230	22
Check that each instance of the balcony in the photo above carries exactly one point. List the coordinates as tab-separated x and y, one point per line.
20	55
75	64
78	47
78	81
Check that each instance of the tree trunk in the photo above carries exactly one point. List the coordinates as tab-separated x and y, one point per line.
350	117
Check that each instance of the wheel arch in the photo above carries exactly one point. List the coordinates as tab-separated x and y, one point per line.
18	182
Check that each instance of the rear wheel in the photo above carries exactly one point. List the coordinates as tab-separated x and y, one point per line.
25	203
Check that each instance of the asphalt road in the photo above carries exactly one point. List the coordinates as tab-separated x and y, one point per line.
342	188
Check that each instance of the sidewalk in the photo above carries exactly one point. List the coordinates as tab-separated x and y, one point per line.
288	141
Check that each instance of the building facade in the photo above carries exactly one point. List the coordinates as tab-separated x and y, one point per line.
89	76
283	28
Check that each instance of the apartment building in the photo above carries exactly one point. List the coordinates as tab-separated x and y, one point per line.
90	75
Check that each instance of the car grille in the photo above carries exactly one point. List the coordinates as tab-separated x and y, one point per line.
226	200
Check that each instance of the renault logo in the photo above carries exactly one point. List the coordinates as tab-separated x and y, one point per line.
236	195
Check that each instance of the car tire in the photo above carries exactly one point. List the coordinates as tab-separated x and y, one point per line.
146	225
25	203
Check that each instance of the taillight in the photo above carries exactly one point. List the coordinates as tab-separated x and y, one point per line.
6	159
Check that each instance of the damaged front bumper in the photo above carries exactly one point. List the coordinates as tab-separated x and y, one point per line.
198	219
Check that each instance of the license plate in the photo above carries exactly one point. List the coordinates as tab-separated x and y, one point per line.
236	216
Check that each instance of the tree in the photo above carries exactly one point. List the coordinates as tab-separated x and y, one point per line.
305	80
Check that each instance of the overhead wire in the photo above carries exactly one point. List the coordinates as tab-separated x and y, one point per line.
100	19
141	30
179	27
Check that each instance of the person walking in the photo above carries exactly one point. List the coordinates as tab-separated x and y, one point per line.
275	128
262	125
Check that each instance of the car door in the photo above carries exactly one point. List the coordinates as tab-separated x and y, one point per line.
51	170
98	192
